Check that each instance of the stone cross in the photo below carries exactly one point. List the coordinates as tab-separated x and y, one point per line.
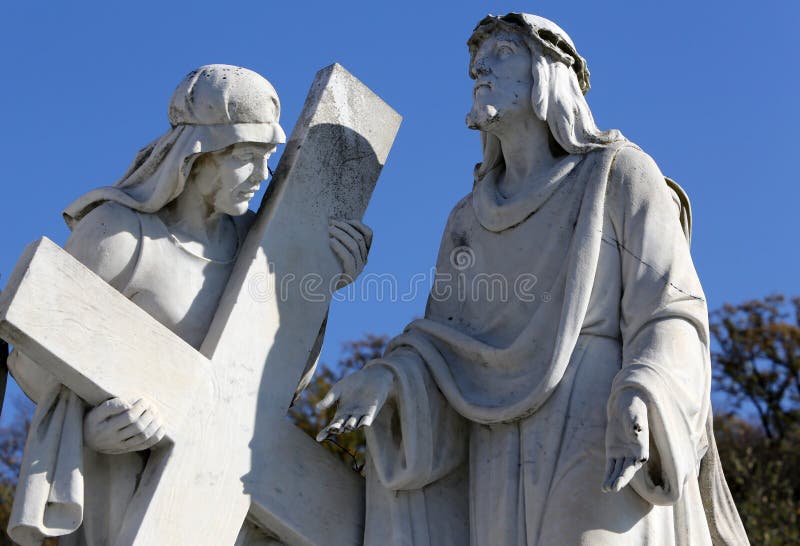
230	452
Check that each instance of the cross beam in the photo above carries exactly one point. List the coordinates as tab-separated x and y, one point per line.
231	450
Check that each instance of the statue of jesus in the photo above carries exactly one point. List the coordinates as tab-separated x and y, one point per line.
575	410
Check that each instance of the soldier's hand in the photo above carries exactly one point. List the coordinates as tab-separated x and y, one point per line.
117	426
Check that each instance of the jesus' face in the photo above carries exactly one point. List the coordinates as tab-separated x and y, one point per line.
501	68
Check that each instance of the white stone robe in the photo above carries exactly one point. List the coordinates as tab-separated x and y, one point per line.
497	433
65	487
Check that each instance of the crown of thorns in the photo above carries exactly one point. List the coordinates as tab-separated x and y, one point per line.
554	41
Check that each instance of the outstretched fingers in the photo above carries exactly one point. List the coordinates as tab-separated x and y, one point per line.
334	428
367	419
347	423
350	424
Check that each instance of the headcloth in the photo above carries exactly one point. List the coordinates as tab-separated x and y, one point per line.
214	107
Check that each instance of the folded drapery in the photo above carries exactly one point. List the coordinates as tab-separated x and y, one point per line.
49	497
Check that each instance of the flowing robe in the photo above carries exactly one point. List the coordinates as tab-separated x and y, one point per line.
496	434
178	289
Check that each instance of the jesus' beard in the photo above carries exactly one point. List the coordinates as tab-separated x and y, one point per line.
482	116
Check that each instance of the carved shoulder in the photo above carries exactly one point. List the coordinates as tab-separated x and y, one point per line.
106	241
635	176
636	186
463	206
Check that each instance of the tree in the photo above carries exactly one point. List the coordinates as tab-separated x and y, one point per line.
3	371
12	444
350	447
757	365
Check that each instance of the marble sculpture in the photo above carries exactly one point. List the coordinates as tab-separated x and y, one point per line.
578	413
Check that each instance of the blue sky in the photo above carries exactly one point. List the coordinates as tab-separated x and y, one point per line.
707	88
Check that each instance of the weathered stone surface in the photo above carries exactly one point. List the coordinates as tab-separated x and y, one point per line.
229	449
557	389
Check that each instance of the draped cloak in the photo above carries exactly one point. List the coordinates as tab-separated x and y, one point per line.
545	306
52	498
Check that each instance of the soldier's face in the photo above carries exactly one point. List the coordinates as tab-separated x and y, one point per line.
501	69
241	170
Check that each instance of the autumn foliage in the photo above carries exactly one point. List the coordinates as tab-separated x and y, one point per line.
350	447
757	367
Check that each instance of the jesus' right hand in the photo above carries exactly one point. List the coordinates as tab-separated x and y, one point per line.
116	426
361	396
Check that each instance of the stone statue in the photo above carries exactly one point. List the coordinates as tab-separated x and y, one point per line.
166	235
569	404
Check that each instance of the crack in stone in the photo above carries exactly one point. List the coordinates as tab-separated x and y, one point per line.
663	276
